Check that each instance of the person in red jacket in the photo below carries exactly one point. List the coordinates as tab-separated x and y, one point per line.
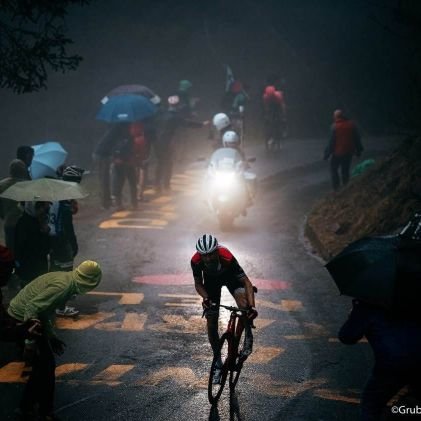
345	141
274	114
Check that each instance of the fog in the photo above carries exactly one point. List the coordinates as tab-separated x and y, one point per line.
329	54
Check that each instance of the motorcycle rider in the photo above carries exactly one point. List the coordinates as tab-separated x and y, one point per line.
230	139
221	123
214	266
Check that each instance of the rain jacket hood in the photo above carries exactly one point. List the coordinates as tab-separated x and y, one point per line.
87	276
184	85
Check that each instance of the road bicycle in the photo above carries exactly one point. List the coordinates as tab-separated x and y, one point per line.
230	354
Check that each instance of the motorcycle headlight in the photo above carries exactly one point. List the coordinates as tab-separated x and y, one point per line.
223	177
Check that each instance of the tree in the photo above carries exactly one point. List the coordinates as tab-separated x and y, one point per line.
33	41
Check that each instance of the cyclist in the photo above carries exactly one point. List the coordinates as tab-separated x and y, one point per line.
214	266
274	110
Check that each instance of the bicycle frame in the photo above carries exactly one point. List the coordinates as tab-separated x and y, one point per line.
233	361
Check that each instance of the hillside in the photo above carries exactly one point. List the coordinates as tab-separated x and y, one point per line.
379	201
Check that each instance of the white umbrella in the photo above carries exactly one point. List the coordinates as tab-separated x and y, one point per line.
44	190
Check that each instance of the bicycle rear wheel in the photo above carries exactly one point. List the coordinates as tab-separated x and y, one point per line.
215	390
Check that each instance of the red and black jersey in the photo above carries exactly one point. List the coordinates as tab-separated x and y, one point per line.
229	267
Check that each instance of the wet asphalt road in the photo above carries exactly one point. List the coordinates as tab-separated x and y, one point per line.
138	350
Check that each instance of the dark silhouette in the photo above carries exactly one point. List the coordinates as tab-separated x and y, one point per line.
396	343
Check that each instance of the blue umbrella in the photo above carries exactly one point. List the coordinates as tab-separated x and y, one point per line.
134	90
48	157
128	108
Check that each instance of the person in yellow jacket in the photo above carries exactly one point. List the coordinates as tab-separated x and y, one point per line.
39	300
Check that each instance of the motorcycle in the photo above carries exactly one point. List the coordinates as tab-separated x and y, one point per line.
229	187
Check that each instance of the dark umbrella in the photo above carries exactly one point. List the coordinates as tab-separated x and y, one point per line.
135	90
367	269
126	108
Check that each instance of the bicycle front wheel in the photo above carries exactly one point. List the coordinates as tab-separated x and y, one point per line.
237	364
215	389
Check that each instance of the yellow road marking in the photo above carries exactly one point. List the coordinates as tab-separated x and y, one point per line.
266	385
311	331
181	375
181	324
192	296
187	300
190	193
134	321
159	222
12	373
82	322
262	323
336	340
167	208
64	369
126	223
334	396
262	355
110	376
126	297
286	305
162	199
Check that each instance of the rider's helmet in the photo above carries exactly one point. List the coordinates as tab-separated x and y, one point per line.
206	244
73	173
230	139
221	121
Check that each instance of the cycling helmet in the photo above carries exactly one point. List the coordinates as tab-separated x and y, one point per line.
230	139
206	244
221	121
173	100
73	173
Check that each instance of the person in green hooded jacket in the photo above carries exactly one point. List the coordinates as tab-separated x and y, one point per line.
39	300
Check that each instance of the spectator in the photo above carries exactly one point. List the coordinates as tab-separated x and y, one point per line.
142	154
38	300
124	167
345	141
186	102
11	210
103	154
26	154
6	269
64	246
32	242
396	343
168	121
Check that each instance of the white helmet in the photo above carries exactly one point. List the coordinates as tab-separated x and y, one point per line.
230	139
206	244
221	121
173	100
